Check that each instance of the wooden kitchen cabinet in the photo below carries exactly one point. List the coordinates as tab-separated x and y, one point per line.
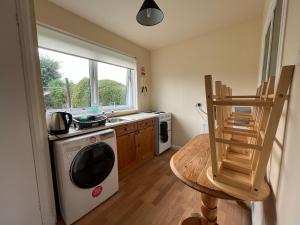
135	144
145	143
126	150
126	129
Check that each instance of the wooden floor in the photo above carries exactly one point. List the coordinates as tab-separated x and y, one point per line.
152	195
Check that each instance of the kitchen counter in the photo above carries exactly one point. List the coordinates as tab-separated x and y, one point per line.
127	119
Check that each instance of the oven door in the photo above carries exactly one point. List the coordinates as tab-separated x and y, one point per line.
164	135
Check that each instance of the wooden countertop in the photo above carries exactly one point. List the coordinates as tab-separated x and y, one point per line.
190	165
129	119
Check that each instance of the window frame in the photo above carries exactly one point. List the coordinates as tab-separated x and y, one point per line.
131	93
269	23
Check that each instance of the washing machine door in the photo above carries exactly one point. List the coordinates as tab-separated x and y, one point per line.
92	165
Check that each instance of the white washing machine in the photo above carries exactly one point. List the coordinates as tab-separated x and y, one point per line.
86	172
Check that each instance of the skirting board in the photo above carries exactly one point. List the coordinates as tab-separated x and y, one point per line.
257	213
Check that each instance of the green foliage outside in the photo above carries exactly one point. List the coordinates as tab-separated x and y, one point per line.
111	92
81	96
55	91
54	87
57	96
49	70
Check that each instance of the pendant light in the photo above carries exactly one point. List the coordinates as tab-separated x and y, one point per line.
149	14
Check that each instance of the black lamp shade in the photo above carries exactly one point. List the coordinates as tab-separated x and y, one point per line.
150	14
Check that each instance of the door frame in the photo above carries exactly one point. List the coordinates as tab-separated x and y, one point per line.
25	19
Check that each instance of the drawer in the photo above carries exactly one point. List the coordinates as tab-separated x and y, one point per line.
126	129
145	123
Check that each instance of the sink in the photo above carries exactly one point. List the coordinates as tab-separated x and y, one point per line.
116	120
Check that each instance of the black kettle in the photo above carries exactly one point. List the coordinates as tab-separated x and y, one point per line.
59	122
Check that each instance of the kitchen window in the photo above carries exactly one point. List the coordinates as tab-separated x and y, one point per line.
114	86
80	77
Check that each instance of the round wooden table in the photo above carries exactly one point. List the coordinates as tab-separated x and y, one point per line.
190	165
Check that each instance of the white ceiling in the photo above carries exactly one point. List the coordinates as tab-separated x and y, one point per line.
184	19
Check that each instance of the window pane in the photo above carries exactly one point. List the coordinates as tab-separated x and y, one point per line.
112	85
65	80
266	55
275	38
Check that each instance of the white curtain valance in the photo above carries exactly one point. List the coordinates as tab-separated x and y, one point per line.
57	41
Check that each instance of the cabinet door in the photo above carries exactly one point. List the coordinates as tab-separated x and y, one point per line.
126	150
145	143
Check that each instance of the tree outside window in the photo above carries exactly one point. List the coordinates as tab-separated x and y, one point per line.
67	82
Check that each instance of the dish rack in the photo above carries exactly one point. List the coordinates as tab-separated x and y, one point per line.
80	122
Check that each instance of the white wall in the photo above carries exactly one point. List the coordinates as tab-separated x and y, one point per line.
177	72
282	208
19	202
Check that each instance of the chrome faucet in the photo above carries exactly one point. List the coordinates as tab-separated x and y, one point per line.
109	115
112	113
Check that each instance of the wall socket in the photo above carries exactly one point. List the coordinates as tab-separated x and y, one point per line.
198	104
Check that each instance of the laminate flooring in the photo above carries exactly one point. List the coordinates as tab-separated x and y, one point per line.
152	195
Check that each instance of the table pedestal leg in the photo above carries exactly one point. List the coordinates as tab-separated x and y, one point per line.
209	213
209	209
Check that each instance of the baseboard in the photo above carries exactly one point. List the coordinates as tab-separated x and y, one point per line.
257	213
176	147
